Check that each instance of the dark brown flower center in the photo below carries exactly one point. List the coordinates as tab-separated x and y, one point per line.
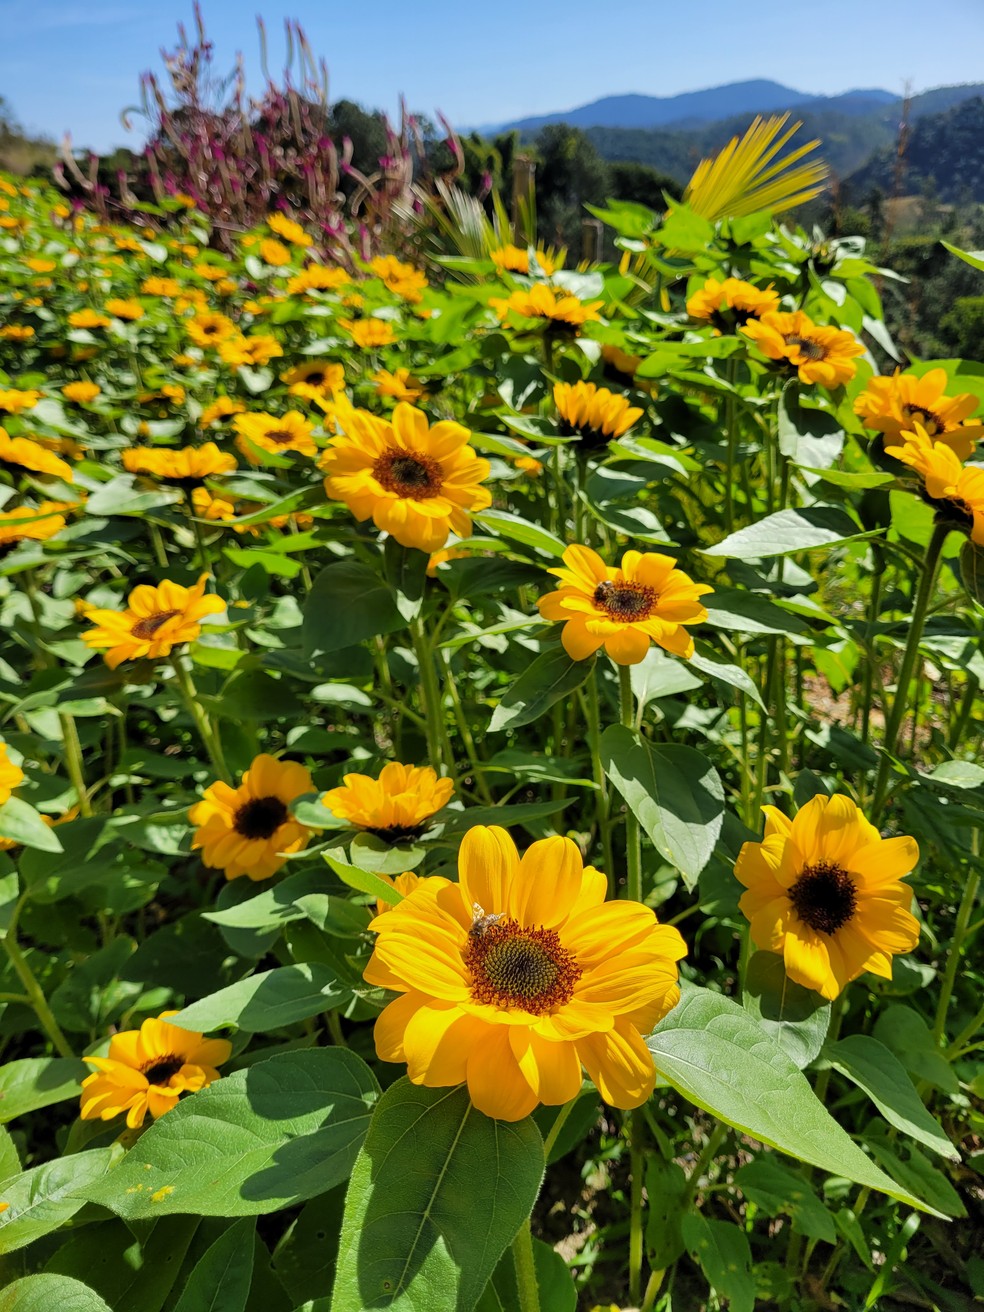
812	350
515	967
824	897
931	421
146	628
395	833
162	1068
260	817
280	435
626	602
315	378
408	474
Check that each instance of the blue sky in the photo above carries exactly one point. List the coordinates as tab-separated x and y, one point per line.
74	64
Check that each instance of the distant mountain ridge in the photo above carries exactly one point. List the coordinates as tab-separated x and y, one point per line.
690	108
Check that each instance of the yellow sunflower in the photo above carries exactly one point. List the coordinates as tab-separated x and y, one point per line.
276	433
207	506
521	974
274	253
400	278
402	884
209	328
395	806
516	259
898	403
398	385
81	393
254	351
13	399
158	617
289	230
249	830
819	354
147	1070
956	490
825	891
594	415
369	333
21	451
647	599
161	287
33	523
730	303
87	319
123	309
416	482
17	332
223	407
559	309
315	380
189	464
11	776
317	278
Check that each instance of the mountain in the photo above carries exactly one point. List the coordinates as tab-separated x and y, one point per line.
944	153
697	107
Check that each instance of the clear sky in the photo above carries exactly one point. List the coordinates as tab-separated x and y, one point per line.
74	64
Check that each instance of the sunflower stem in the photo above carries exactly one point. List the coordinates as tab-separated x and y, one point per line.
522	1251
461	720
73	761
909	660
157	542
633	849
967	903
438	747
602	806
210	739
553	1134
636	1169
32	988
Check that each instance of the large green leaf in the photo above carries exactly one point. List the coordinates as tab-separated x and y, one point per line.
267	1001
716	1055
810	438
45	1293
797	1018
521	530
348	603
872	1067
551	676
35	1082
788	531
22	824
221	1279
437	1194
674	793
281	1131
127	1271
723	1254
45	1197
775	1188
554	1284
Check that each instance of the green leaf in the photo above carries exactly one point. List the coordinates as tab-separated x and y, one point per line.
405	569
221	1279
666	1186
521	530
551	676
279	1132
674	793
660	675
958	774
45	1197
347	604
288	900
789	531
722	1252
22	824
915	1172
796	1017
870	1065
747	612
127	1272
9	1160
35	1082
974	258
775	1188
553	1279
413	1238
722	672
809	437
905	1033
268	1000
123	495
43	1293
972	570
83	858
713	1053
363	881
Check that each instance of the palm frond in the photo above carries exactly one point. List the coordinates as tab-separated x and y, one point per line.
745	177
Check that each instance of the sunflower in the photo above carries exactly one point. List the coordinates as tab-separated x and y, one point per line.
955	490
223	407
122	309
528	465
279	434
11	776
395	806
189	465
207	506
315	380
147	1070
647	599
398	385
317	278
521	974
31	523
825	891
402	884
289	230
416	482
594	415
13	400
516	259
17	332
158	617
819	354
209	328
400	278
26	454
249	830
81	393
87	319
561	310
274	253
899	403
730	304
254	351
621	362
169	287
369	333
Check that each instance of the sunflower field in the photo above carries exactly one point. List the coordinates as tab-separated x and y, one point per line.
489	792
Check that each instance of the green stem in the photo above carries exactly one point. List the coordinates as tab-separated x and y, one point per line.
210	739
522	1251
636	1170
964	911
553	1133
909	659
438	746
32	988
73	761
711	1145
633	849
157	542
874	610
461	720
652	1290
602	810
